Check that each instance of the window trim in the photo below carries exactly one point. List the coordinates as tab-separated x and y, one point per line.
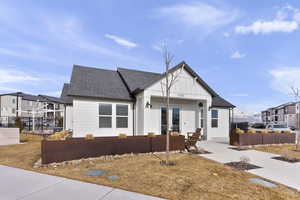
111	115
122	116
214	118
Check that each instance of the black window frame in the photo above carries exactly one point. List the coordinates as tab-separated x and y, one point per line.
121	116
103	115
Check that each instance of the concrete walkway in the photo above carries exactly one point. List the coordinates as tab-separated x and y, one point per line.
18	184
278	171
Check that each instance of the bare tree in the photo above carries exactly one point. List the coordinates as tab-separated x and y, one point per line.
170	79
296	95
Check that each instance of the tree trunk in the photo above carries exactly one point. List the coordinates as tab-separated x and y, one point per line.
167	113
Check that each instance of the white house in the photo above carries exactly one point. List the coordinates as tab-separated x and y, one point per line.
106	103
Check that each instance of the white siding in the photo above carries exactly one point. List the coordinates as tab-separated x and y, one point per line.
69	118
223	124
185	87
86	118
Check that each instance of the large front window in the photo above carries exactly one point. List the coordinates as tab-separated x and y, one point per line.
105	115
214	118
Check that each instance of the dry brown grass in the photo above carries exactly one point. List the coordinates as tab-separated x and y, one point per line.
280	150
193	177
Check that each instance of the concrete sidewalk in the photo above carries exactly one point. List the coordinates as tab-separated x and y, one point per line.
18	184
275	170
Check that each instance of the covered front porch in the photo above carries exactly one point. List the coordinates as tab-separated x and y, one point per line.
185	115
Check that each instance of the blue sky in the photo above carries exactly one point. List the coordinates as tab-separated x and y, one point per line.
248	51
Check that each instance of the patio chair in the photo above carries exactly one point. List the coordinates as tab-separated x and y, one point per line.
192	140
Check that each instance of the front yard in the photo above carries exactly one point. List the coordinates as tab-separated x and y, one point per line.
192	177
283	150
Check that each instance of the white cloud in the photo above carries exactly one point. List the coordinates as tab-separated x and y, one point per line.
121	41
199	15
265	27
286	20
285	77
15	76
237	55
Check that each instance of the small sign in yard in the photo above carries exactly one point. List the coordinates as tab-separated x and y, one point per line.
262	182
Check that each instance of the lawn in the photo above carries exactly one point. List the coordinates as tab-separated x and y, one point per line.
283	150
193	177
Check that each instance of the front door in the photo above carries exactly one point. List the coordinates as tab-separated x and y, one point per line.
174	119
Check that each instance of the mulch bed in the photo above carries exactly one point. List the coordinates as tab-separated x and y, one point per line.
242	165
286	160
239	149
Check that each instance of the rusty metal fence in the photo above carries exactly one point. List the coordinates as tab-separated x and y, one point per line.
77	148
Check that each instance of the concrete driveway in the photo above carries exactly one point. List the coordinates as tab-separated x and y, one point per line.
18	184
275	170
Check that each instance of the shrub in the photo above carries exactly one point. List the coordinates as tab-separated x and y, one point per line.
24	138
239	131
151	134
122	136
174	133
54	137
265	131
287	132
89	137
286	154
277	131
251	131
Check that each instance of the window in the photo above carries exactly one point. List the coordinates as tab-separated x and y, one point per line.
214	118
105	115
13	101
122	116
201	118
13	110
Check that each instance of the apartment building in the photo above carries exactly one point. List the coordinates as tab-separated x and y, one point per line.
45	110
287	114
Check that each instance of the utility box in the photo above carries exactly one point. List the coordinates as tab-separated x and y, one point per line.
9	136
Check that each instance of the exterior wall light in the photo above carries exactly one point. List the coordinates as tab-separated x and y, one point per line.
148	105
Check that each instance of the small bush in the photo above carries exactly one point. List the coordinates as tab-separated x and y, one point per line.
288	155
122	136
287	132
265	131
239	131
24	138
251	131
174	133
89	137
277	131
151	134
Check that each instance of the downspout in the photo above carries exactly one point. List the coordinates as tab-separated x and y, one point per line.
133	118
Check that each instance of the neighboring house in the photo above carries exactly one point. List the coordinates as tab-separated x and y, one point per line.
23	105
108	102
287	114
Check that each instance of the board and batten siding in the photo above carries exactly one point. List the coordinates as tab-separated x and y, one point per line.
69	117
86	118
223	124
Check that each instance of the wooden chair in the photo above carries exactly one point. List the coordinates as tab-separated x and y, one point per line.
192	140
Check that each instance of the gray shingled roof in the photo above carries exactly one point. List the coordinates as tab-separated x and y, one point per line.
220	102
121	84
98	83
135	79
47	98
24	96
64	94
